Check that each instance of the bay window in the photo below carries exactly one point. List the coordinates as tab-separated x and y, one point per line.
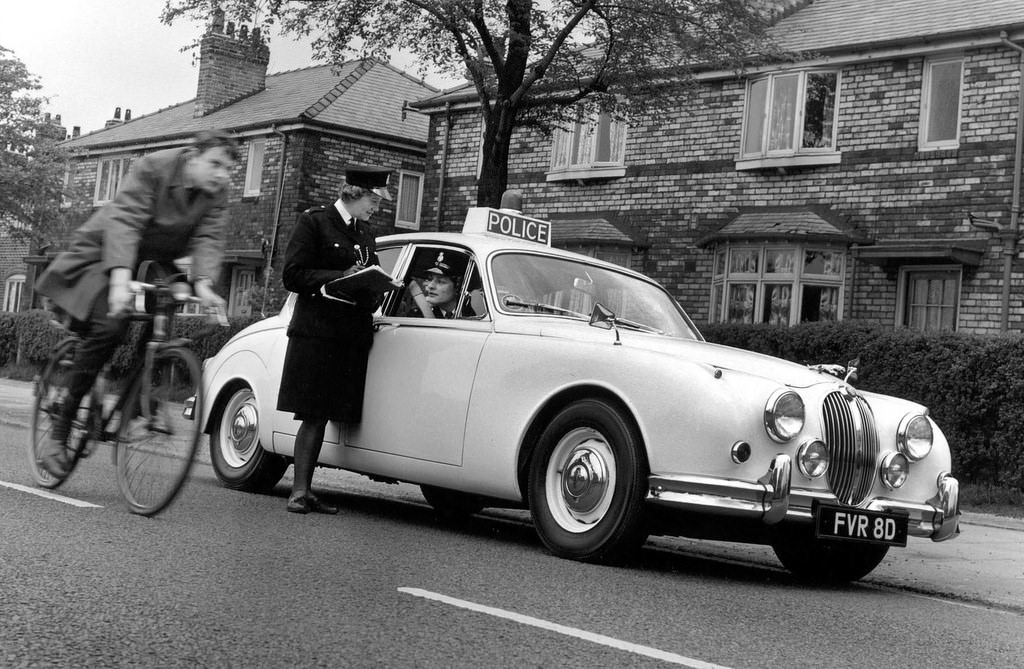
777	284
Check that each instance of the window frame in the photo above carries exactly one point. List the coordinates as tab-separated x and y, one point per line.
724	277
240	295
123	164
617	136
14	291
927	103
796	154
903	293
254	169
399	221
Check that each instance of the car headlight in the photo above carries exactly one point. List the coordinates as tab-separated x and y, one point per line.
894	470
914	436
784	415
812	458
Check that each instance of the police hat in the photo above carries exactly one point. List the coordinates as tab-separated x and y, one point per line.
451	265
373	179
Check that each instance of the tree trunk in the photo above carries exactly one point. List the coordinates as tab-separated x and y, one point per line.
494	170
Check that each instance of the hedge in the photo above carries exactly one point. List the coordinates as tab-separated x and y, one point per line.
26	338
973	385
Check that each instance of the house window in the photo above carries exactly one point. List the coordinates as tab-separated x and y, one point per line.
14	286
410	194
242	281
790	119
775	284
254	167
929	298
109	173
940	103
590	148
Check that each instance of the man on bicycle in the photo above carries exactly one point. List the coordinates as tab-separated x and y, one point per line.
171	205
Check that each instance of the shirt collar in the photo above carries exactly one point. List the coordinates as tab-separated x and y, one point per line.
345	216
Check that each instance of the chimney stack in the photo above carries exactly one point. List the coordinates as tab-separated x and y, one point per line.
51	127
114	121
230	67
76	131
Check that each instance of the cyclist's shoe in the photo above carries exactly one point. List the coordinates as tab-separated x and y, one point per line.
53	458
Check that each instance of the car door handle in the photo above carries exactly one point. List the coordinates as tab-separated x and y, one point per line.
380	325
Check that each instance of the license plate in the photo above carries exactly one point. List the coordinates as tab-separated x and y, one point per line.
874	527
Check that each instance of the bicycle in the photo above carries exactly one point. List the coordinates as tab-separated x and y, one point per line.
154	448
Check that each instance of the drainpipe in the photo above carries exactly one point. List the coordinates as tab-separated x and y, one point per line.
444	162
1011	236
268	266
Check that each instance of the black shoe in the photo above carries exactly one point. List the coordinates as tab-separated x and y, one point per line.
298	504
317	505
54	459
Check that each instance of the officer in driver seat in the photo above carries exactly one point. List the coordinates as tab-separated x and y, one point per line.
436	290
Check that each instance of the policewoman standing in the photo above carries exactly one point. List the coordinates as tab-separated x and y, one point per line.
330	333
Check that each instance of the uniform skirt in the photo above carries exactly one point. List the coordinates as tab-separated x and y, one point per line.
324	377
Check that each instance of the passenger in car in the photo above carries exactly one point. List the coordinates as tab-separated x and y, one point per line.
436	291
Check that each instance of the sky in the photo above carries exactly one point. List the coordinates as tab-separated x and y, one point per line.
91	56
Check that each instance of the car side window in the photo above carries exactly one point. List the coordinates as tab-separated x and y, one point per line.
440	282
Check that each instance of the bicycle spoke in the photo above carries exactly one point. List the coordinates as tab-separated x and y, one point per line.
156	443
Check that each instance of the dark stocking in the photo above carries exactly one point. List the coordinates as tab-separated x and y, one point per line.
307	450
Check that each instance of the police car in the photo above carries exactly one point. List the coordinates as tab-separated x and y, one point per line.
582	391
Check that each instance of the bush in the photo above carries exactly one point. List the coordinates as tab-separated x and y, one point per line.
26	339
973	385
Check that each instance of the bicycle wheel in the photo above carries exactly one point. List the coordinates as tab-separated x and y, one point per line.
50	394
159	431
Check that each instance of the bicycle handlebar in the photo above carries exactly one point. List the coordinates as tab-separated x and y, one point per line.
181	292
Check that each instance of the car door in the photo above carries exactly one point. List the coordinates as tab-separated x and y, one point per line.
419	383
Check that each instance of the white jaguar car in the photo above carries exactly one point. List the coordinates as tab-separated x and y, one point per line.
582	391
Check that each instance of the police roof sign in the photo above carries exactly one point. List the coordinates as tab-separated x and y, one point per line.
507	223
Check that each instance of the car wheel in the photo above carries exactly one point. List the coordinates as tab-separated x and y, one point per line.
451	506
823	561
587	484
236	453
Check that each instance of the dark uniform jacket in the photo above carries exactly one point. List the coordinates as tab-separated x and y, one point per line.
321	248
150	218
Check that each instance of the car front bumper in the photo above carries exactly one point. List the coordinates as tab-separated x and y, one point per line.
772	499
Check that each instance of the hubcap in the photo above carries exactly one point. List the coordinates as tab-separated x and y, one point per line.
586	480
239	429
243	427
580	480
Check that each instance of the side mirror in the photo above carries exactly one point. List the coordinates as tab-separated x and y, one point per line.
601	317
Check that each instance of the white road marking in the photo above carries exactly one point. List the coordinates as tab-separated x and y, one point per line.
49	495
562	629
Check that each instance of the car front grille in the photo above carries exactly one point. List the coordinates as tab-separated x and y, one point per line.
853	446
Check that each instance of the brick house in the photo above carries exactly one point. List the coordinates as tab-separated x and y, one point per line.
13	247
871	180
297	131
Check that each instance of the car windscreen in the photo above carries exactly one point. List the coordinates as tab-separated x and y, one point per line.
537	284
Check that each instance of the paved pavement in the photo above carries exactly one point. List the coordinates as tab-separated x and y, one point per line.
984	565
